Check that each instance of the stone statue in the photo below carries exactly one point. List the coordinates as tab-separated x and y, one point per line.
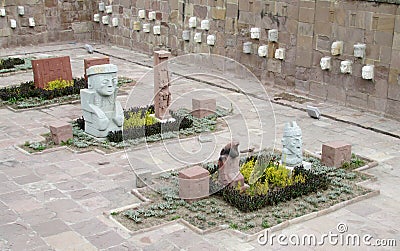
101	111
228	166
292	152
162	95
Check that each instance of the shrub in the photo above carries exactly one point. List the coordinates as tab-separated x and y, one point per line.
144	126
28	90
9	63
250	202
58	84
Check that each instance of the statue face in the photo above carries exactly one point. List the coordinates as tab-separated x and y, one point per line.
293	144
106	84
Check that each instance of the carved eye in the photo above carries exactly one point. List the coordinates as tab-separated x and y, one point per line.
105	82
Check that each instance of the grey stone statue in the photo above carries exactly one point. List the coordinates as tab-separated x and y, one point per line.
292	152
101	111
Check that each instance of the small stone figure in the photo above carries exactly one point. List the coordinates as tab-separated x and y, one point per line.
101	111
292	152
228	166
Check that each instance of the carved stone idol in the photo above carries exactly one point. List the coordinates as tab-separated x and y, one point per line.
337	48
101	111
292	152
368	72
325	63
228	165
162	95
346	67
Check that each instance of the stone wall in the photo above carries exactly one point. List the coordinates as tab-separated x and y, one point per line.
307	30
55	20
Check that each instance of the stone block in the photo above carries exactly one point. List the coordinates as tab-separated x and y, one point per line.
263	50
218	13
337	48
247	47
194	183
60	132
306	15
211	40
49	69
88	62
368	72
193	22
346	67
325	63
335	153
255	33
205	25
280	53
102	7
359	50
142	14
186	35
203	107
143	178
273	35
197	37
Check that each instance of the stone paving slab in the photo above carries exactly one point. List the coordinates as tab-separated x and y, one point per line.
57	199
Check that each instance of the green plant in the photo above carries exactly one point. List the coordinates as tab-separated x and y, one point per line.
58	84
175	217
265	224
37	146
233	225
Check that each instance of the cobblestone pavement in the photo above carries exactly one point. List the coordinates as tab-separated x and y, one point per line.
56	200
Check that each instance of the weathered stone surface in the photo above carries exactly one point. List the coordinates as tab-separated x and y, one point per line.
102	112
203	107
292	145
89	62
49	69
162	95
194	183
60	132
336	153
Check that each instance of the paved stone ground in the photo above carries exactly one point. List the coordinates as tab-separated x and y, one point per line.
56	200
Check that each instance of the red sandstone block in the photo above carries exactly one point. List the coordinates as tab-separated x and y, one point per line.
60	131
88	62
336	153
194	183
50	69
203	107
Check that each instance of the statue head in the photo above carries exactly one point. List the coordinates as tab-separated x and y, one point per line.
103	79
292	138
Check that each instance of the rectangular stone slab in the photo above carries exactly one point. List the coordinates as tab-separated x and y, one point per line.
50	69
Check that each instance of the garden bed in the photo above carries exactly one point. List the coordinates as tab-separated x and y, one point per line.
26	95
185	126
8	65
215	211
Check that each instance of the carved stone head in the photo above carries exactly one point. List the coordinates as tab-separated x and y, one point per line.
346	67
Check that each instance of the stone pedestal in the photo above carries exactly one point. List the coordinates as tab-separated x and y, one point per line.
336	153
60	132
162	95
203	107
89	62
50	69
194	183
